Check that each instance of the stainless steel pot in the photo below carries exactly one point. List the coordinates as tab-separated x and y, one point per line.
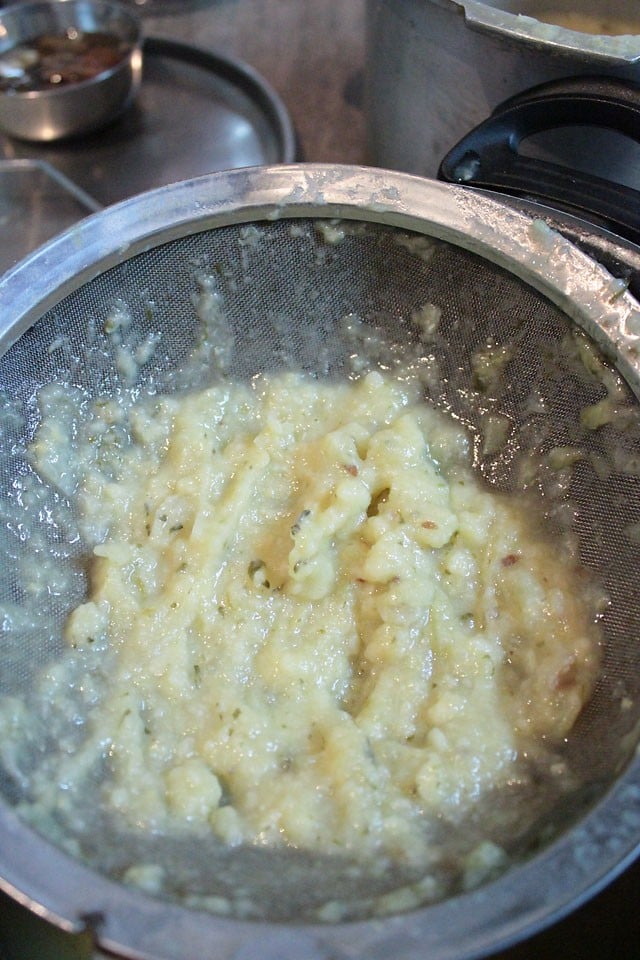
436	68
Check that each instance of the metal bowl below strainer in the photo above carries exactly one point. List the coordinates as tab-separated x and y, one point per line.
495	270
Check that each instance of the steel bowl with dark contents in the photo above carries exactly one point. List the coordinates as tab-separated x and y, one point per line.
67	67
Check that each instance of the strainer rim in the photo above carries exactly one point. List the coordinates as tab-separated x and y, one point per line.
136	925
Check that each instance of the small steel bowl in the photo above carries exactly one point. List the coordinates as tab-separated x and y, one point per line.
79	107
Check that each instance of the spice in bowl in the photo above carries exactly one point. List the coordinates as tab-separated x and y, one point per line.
66	68
55	59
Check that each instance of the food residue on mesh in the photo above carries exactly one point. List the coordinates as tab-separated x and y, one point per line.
320	629
331	231
310	625
488	364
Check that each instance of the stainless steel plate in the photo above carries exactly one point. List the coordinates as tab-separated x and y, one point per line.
197	112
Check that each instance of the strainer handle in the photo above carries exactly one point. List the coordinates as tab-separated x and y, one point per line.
488	156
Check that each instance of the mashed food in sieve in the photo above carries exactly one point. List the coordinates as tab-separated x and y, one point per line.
321	629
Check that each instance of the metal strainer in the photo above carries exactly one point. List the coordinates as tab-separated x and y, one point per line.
289	276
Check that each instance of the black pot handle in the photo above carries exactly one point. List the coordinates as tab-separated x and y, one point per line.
488	155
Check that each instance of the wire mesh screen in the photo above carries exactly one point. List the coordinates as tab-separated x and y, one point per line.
330	300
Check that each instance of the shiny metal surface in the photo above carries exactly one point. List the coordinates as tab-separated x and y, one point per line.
197	111
76	108
436	68
583	859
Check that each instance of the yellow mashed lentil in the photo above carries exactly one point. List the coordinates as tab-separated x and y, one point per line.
322	626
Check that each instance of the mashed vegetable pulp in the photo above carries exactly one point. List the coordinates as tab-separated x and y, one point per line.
322	627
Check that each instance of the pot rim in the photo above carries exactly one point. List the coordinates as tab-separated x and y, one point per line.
525	29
